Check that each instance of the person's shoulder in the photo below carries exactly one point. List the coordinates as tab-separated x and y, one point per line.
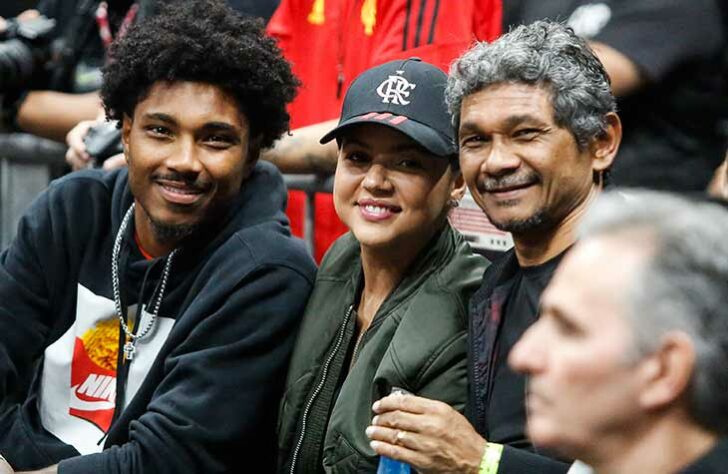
72	210
252	256
438	309
465	268
456	272
341	259
81	193
270	244
263	193
499	265
259	226
442	297
85	182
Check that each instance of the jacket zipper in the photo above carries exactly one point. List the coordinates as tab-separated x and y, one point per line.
356	349
318	389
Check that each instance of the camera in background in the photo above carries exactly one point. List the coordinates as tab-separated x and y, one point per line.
103	141
25	47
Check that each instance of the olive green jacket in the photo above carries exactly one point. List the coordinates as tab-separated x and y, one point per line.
416	341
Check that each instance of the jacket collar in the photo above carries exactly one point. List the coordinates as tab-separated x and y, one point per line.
344	264
500	270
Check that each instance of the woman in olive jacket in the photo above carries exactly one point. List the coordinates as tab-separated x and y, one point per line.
389	306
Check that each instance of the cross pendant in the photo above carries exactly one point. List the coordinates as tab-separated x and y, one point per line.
129	350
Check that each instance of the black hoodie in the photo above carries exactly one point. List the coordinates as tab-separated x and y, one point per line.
202	391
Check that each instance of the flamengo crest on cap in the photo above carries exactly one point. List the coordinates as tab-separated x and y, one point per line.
395	90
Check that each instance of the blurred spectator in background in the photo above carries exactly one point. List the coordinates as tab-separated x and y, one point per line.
626	363
66	74
12	8
667	60
49	76
330	42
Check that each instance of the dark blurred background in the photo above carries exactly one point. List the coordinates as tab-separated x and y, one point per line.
10	8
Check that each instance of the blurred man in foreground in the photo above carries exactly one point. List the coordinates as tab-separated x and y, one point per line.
626	364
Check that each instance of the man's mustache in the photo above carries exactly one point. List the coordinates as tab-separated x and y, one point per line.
193	183
511	181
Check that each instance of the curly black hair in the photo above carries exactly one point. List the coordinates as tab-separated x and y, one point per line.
203	41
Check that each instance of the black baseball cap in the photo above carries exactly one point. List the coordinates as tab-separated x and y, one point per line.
407	95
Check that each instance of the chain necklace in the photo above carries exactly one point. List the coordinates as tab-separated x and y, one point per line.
131	338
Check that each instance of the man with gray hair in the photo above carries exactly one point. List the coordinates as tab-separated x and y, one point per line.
626	363
538	132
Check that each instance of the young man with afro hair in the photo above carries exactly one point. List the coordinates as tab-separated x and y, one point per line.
159	303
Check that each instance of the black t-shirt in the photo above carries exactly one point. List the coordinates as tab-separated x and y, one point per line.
672	125
506	410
